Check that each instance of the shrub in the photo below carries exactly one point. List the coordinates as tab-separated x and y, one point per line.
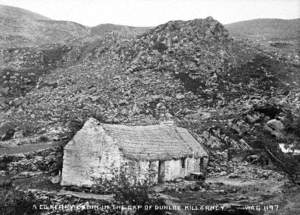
28	127
43	139
73	125
161	47
7	131
16	202
129	190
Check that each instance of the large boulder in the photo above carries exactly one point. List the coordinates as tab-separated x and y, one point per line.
275	127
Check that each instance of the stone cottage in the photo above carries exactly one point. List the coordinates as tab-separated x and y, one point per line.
97	149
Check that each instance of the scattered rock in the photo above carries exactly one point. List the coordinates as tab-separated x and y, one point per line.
18	135
275	125
233	175
55	179
194	187
223	173
3	173
253	118
5	181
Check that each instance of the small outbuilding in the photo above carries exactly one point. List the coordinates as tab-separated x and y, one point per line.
98	149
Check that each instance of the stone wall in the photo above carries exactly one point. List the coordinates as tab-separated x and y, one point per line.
46	160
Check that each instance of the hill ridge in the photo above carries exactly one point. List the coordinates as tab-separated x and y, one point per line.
266	29
258	19
12	9
23	28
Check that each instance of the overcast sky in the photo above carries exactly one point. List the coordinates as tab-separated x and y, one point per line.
154	12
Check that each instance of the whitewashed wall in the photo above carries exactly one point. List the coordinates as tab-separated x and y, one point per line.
173	168
89	154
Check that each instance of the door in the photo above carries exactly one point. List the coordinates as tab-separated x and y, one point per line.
161	171
201	164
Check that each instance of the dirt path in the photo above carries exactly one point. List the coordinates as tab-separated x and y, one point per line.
231	181
82	195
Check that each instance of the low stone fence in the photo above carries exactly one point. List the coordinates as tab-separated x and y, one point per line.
47	159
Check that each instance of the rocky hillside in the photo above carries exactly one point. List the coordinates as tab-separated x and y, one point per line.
191	64
21	68
19	27
32	45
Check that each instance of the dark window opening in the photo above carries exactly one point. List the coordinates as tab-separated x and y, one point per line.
201	164
182	162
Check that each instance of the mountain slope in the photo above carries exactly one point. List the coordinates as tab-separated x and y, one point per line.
276	35
20	27
185	65
266	29
9	12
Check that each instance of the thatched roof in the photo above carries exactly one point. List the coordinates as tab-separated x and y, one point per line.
154	142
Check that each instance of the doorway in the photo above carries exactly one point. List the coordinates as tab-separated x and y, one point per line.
161	171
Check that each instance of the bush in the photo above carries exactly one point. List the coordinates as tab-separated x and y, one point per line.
129	190
43	139
7	131
16	202
161	47
28	127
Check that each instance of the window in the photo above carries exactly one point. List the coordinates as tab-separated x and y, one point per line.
182	162
201	164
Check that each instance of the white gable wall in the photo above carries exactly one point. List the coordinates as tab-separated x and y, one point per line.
91	153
